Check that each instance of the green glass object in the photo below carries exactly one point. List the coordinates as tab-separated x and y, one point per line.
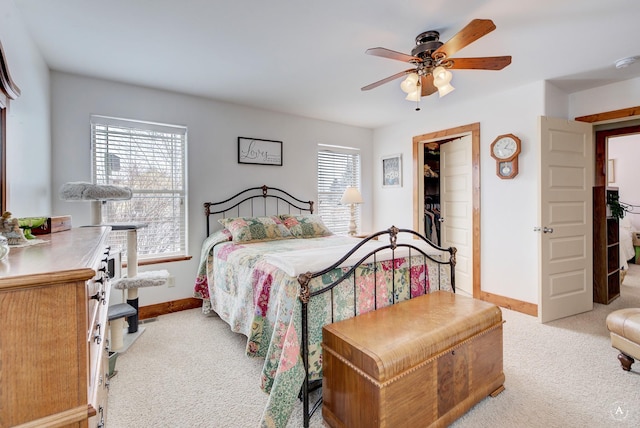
27	223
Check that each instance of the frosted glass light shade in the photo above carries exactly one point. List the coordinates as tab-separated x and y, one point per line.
413	96
441	76
444	90
408	85
441	80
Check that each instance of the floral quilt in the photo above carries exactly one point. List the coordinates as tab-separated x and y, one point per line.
261	301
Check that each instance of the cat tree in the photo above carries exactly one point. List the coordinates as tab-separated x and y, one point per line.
98	195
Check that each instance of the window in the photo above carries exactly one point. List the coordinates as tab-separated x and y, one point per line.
150	159
338	168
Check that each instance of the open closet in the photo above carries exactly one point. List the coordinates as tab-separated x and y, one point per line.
446	200
431	178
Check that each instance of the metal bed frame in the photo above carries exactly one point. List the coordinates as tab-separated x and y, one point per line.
273	201
249	197
306	294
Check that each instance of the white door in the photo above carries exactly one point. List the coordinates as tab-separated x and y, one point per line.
456	206
565	215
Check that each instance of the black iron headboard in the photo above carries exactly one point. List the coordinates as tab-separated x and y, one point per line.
274	201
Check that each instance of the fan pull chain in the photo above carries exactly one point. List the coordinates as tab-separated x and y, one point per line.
419	90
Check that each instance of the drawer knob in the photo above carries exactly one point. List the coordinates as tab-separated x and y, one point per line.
100	297
98	337
101	422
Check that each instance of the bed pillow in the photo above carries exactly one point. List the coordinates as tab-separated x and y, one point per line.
255	229
305	226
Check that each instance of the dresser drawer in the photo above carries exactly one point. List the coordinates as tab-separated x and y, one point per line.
98	293
98	397
97	289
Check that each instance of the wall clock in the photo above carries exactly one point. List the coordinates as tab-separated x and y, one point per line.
505	150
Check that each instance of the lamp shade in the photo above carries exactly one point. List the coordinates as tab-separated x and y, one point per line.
445	89
413	96
441	80
441	76
408	85
351	196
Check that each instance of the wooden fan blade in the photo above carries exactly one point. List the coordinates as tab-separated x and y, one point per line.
484	63
428	87
469	34
388	53
388	79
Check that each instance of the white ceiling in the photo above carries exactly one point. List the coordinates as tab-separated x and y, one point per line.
306	57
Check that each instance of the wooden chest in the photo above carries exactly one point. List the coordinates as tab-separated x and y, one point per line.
420	363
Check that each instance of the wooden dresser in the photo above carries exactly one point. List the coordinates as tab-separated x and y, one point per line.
54	299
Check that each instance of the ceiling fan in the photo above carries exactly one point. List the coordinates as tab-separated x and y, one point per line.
432	60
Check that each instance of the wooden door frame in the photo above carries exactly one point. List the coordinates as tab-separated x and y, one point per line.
601	137
8	91
447	134
601	150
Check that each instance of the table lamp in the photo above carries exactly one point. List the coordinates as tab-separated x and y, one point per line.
352	197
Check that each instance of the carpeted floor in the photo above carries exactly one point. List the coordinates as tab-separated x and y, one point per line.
188	370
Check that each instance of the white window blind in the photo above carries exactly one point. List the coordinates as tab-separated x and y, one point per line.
338	168
150	159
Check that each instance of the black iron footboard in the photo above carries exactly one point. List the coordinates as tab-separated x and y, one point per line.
306	294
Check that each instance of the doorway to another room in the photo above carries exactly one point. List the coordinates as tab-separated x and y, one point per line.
447	198
620	147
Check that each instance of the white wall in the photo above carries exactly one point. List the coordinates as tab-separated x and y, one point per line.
28	120
213	171
625	152
611	97
508	207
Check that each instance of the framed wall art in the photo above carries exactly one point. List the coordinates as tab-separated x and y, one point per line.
259	151
392	171
611	171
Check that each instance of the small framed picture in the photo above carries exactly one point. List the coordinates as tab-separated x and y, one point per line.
392	171
611	171
259	151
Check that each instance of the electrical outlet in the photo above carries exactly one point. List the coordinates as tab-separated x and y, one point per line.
171	281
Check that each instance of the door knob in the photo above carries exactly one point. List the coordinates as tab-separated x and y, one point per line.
547	230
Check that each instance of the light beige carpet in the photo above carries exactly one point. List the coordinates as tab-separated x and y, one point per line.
188	370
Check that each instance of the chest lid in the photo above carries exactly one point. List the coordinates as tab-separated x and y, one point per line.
391	340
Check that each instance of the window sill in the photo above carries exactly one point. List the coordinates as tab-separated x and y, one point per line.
145	262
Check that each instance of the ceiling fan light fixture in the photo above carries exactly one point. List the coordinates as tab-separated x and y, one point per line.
431	60
441	76
408	85
446	89
413	96
441	80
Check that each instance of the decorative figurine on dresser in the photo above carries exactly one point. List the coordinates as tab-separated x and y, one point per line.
10	229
